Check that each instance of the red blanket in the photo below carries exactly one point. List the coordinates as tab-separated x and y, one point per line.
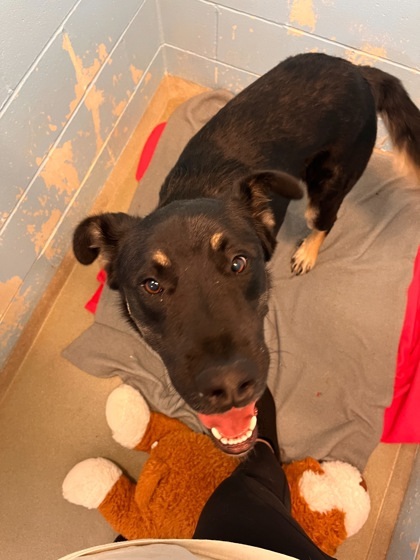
402	418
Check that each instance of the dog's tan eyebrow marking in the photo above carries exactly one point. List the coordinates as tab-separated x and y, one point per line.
159	257
216	240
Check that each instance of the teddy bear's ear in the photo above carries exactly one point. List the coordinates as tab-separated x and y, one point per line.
128	416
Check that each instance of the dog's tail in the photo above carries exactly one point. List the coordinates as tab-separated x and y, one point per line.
399	113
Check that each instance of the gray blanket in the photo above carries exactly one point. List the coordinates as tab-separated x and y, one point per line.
333	333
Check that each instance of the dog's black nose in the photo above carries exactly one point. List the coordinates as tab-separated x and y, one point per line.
228	385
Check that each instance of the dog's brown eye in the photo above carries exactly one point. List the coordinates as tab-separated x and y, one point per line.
152	286
239	264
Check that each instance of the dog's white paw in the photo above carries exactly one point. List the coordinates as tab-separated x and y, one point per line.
88	482
305	256
302	261
128	415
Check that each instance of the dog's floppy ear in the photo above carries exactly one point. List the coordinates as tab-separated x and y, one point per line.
255	192
100	235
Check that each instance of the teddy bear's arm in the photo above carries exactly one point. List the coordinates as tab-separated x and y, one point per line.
159	426
128	415
122	512
131	422
153	473
98	483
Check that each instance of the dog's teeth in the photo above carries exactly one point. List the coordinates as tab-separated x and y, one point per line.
216	433
235	440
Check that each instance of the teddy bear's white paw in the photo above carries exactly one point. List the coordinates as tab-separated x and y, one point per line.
88	482
339	487
128	415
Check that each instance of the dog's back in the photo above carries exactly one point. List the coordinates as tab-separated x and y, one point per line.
312	116
307	104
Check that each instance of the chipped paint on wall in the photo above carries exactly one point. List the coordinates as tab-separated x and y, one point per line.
93	101
84	77
11	319
372	53
7	291
59	171
3	218
40	234
116	79
51	126
295	32
118	108
302	13
93	81
136	74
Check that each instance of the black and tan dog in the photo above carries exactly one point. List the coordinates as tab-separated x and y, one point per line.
192	274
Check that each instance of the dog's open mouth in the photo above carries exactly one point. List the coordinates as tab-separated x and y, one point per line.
233	431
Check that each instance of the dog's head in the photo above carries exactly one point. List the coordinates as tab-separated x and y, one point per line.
192	277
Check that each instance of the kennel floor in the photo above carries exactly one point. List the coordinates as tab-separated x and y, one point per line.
52	415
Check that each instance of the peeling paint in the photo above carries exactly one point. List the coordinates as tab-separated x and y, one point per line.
376	52
302	13
372	54
51	252
51	126
93	101
136	74
7	290
295	32
3	218
148	78
102	52
113	159
11	321
84	76
116	78
59	171
119	107
40	235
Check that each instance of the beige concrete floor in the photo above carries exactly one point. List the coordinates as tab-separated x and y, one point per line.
52	414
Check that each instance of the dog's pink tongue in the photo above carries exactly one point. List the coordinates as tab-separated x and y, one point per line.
232	423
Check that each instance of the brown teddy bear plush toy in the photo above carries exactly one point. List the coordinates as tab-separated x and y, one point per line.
183	470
